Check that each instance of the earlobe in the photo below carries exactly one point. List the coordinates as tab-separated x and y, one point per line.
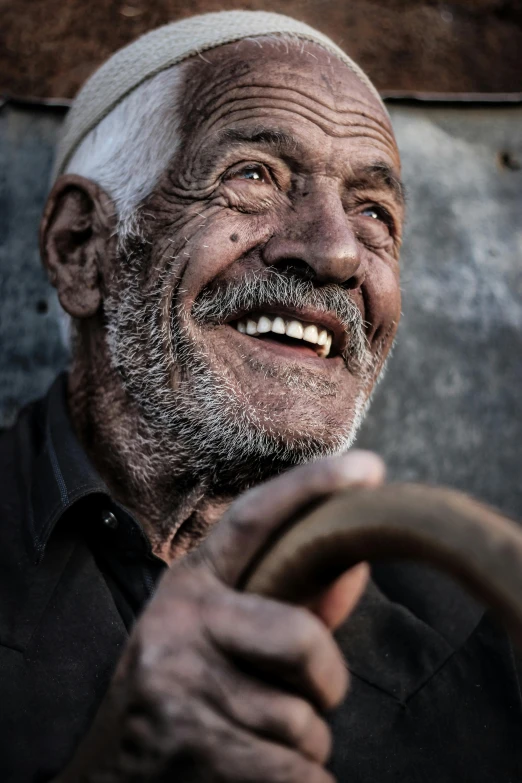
76	243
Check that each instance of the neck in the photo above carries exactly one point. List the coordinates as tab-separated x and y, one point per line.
158	482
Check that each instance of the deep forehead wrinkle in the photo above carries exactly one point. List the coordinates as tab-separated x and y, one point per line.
219	86
282	101
245	111
322	85
244	96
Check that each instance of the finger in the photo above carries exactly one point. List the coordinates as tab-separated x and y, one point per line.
268	712
253	518
263	762
237	755
207	745
338	600
285	645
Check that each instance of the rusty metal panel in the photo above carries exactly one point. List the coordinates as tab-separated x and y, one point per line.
449	409
48	48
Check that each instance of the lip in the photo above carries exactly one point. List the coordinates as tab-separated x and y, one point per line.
307	315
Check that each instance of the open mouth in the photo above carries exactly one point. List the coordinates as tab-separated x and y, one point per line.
311	337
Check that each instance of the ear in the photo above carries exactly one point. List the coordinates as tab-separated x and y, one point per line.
77	242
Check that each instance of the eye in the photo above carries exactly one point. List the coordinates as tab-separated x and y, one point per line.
253	172
375	212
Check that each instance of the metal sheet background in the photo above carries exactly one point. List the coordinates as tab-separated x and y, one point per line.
449	409
48	48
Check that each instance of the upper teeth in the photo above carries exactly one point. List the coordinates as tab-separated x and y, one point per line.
310	333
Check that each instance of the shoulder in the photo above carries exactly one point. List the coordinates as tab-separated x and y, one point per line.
19	446
19	449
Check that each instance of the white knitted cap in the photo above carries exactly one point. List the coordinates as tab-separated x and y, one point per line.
161	48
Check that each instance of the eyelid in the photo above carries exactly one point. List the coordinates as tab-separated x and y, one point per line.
236	168
387	216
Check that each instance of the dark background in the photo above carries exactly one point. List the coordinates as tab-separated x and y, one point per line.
449	410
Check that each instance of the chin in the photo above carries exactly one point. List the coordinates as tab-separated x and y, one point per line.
248	414
306	423
243	440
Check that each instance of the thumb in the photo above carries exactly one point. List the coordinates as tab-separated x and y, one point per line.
335	604
256	516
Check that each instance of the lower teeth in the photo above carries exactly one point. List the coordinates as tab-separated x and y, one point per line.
284	339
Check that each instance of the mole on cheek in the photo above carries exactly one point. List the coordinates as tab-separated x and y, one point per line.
234	238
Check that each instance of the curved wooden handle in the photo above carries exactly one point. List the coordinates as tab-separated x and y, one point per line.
442	527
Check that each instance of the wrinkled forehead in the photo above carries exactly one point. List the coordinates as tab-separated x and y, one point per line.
299	78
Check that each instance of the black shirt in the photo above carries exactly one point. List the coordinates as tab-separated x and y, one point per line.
435	690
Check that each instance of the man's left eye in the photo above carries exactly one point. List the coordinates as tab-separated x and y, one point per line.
254	173
373	212
378	213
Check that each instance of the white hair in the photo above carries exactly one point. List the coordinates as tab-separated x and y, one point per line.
131	147
126	154
128	151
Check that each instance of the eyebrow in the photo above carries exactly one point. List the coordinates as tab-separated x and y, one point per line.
377	174
273	137
380	174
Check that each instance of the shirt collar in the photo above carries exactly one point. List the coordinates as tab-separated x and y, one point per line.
62	476
62	473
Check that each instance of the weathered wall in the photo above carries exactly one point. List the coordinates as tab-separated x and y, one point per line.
449	409
49	47
30	345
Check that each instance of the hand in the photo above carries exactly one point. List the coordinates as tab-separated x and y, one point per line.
216	685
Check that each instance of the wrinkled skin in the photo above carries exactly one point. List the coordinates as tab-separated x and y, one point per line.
216	685
287	161
322	200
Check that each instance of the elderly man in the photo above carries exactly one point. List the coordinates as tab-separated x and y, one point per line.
224	233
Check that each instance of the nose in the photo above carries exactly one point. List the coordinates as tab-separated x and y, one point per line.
319	242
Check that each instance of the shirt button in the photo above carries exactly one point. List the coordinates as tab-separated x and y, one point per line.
109	520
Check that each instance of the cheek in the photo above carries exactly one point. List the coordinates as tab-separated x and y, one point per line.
383	299
216	249
373	234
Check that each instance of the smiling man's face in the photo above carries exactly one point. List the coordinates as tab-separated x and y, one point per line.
253	313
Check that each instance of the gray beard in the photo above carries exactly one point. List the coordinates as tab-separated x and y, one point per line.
206	425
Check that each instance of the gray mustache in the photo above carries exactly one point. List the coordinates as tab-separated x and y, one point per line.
216	304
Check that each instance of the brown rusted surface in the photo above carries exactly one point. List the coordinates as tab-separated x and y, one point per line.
49	47
438	526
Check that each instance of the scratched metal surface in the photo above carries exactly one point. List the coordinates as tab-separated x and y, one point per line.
449	408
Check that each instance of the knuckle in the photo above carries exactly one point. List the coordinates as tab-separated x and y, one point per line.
243	511
309	733
160	676
295	769
309	636
338	688
288	769
299	721
318	659
320	475
175	728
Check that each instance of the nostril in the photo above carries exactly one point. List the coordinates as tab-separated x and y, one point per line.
353	282
296	267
